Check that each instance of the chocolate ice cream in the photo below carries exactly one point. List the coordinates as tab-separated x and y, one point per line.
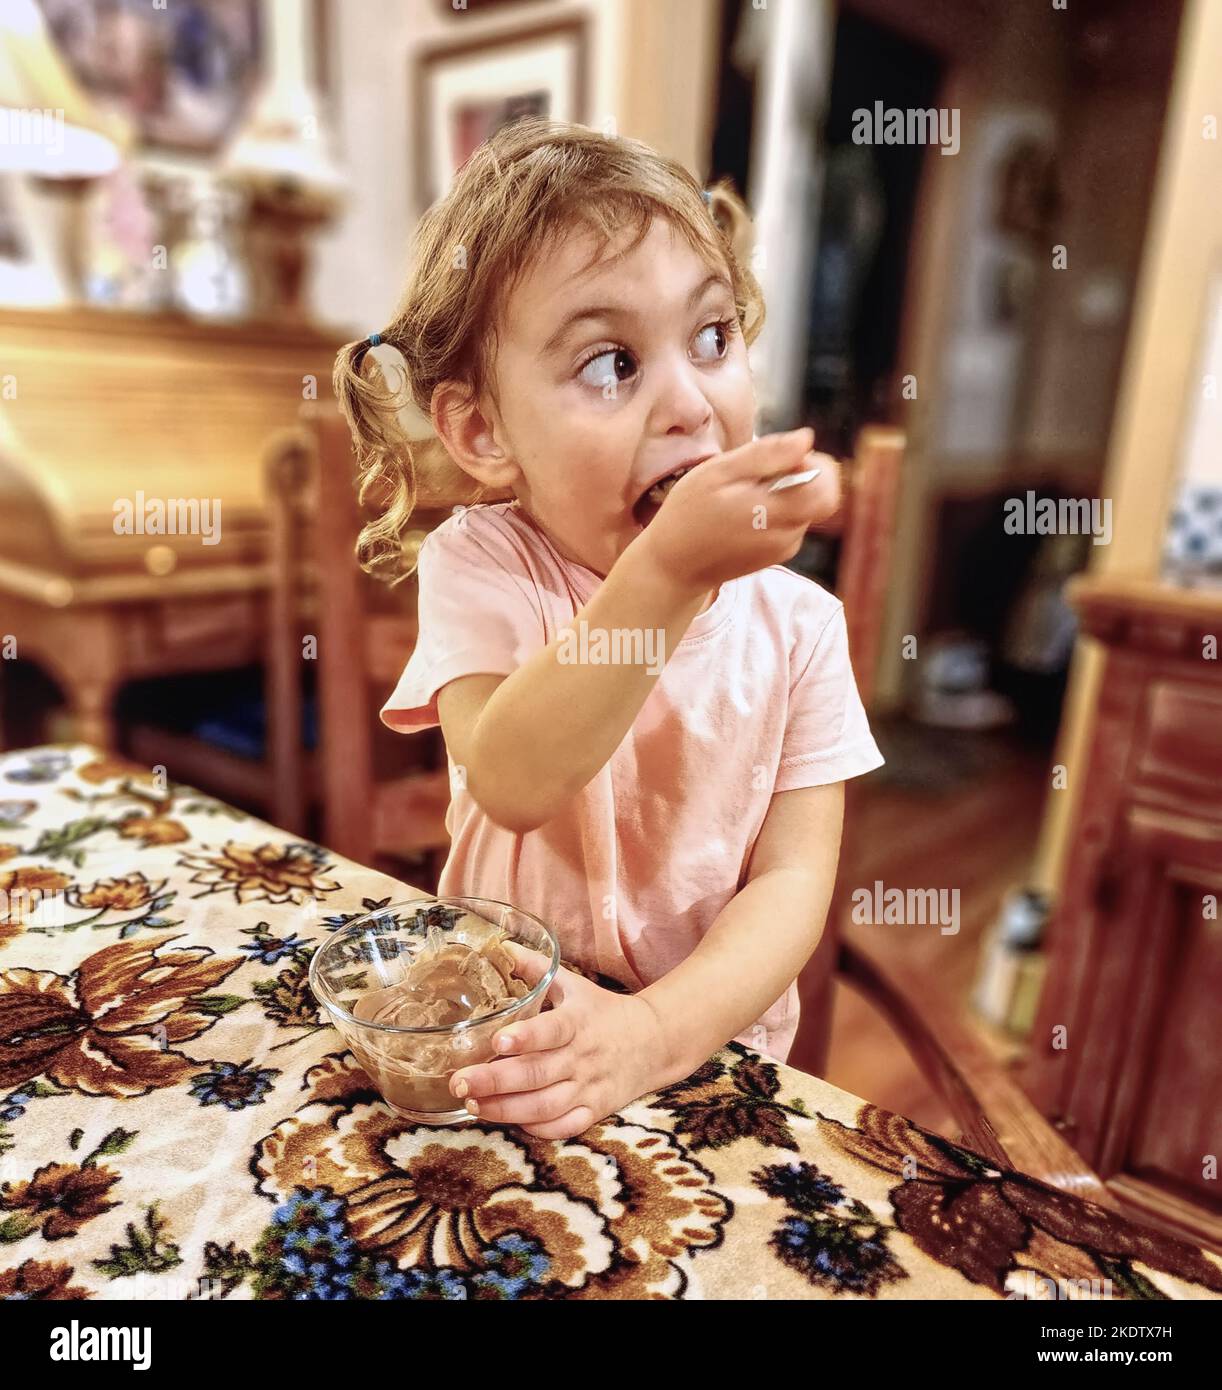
463	977
449	981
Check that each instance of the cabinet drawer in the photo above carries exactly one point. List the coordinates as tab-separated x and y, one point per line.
1179	746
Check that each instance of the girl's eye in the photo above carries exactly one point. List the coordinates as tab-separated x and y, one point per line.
605	366
720	341
618	364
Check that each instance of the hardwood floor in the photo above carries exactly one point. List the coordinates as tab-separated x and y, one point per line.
978	837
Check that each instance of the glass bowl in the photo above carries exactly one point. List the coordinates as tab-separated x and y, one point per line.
367	960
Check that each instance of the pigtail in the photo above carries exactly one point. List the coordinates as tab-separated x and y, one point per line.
386	473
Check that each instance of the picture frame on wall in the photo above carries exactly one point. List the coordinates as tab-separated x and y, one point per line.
466	92
182	74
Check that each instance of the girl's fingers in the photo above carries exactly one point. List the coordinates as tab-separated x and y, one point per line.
528	965
509	1074
771	454
530	1107
576	1122
531	966
818	499
539	1034
824	494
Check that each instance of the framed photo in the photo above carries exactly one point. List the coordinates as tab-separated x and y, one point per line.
466	92
182	74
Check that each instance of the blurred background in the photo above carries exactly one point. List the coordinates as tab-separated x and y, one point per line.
990	237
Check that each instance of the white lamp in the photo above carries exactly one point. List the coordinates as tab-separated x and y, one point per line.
48	126
281	162
50	129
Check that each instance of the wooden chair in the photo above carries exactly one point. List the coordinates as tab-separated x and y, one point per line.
866	527
292	607
281	780
366	633
992	1114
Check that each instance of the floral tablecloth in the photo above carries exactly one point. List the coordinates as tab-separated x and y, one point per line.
177	1121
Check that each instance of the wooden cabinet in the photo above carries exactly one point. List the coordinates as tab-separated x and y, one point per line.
111	409
1127	1055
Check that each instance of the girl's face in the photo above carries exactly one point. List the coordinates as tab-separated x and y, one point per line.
610	377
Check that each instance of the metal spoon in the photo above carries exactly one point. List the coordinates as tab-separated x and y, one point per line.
794	479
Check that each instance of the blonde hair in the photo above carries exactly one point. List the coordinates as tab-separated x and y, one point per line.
533	181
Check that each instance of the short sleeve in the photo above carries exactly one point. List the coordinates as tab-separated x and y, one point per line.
477	615
827	735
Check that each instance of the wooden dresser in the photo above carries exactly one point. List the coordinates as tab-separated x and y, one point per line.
1135	950
99	408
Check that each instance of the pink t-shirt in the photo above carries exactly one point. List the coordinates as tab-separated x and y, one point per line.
757	698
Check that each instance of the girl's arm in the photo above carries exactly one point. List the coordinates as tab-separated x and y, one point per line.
528	742
762	938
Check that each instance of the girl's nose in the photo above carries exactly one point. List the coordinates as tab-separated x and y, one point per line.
682	406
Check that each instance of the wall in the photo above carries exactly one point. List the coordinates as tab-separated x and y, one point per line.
651	71
1108	152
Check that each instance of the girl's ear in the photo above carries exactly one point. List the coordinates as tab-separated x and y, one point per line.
469	437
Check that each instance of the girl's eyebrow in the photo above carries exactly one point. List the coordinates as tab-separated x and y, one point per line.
612	311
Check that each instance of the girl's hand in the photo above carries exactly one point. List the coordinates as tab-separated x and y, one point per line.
570	1066
720	520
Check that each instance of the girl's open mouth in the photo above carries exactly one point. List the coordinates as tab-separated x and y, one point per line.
648	503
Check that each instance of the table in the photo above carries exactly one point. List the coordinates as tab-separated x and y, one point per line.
176	1121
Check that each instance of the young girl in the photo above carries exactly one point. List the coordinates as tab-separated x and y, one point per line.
648	718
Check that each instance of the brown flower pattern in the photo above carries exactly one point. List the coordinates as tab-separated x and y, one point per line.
614	1211
41	1280
60	1198
124	894
983	1220
108	769
263	873
718	1104
154	830
22	890
107	1029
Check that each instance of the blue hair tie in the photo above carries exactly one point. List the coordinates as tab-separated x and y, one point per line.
707	196
374	339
